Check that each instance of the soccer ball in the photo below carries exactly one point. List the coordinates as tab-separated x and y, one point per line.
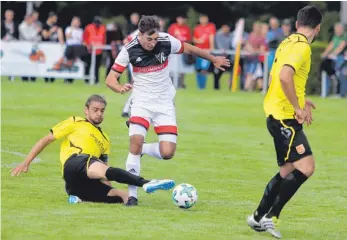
184	195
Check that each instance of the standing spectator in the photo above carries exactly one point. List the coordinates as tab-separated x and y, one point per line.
51	32
273	39
223	41
255	46
74	47
114	38
182	32
28	31
203	38
9	29
334	53
36	20
286	28
162	24
134	21
94	35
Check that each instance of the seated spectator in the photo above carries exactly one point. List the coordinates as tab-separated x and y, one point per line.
9	29
74	47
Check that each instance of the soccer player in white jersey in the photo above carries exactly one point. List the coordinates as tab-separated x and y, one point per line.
153	92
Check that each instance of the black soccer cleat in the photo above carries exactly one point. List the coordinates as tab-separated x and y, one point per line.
132	201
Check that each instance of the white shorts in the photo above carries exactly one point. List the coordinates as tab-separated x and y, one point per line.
162	116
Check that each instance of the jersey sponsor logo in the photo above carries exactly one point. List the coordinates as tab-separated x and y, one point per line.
100	143
150	68
300	149
161	57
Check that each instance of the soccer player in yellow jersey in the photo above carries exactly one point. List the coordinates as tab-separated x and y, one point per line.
84	156
286	110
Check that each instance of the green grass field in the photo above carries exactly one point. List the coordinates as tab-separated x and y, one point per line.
224	150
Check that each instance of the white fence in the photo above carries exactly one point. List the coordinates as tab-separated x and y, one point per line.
19	58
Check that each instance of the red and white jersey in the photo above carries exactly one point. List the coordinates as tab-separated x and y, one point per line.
152	82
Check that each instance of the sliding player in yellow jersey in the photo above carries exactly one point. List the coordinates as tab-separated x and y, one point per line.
84	157
286	110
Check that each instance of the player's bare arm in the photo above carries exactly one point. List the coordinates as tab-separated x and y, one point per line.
38	147
287	82
219	62
113	83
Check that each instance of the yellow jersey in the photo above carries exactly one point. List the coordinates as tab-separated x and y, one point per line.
81	137
294	52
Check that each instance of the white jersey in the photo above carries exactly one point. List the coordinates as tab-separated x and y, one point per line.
151	80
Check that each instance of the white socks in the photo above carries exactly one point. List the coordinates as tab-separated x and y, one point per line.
133	166
152	149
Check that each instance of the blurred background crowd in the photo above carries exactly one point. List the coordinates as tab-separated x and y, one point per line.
81	25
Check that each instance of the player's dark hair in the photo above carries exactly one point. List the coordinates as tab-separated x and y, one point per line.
96	98
309	16
148	24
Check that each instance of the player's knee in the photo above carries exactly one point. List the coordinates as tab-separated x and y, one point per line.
167	154
309	169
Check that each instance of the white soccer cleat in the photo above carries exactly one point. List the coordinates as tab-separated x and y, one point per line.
254	224
269	224
155	185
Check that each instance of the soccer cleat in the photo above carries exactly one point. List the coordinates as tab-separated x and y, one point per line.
254	224
155	185
270	224
74	199
132	201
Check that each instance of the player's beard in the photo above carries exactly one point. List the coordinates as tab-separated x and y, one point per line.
96	121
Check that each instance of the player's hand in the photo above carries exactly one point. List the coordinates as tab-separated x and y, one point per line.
126	88
300	115
23	167
220	62
309	105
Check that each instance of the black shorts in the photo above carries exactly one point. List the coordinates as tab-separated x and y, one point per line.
289	138
77	182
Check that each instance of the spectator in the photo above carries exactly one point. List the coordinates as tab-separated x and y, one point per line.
94	35
223	41
286	28
74	47
28	31
343	76
36	20
333	56
182	32
162	25
255	46
273	39
114	38
134	21
203	38
51	32
9	29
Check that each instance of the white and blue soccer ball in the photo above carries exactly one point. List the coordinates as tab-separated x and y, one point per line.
184	195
